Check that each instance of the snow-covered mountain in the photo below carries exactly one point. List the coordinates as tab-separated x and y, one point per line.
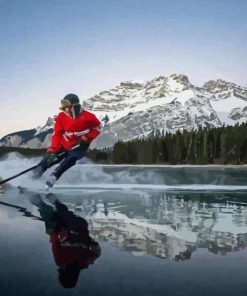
166	103
35	138
228	100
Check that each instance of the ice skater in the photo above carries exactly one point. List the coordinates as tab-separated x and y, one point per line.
74	129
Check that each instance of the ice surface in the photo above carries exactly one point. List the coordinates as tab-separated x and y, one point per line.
192	187
89	176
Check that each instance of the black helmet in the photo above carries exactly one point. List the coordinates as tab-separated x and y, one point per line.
72	101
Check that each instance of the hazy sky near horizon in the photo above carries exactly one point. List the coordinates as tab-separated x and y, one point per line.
51	48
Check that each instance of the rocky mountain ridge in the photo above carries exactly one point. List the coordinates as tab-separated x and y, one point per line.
164	104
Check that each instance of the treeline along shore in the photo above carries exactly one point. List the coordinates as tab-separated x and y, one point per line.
224	145
23	151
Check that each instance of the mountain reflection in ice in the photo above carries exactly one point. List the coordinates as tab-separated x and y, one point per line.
170	226
166	225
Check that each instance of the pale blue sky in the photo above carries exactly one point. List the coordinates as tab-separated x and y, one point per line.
51	48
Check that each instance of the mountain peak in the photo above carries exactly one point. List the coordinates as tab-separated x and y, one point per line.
180	78
50	122
132	84
49	125
218	85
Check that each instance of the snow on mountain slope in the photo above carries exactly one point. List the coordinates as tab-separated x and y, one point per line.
224	98
131	97
228	104
185	95
163	118
49	125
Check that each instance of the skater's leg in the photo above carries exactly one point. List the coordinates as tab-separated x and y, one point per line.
44	165
70	160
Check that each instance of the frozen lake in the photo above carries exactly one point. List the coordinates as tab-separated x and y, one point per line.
151	242
154	239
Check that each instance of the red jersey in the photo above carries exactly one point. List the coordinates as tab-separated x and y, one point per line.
67	254
68	130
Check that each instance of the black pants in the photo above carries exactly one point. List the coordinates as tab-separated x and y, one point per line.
67	159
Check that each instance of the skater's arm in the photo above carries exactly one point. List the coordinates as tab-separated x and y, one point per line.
93	134
57	135
95	128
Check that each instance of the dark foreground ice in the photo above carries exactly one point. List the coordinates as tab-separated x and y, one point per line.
152	242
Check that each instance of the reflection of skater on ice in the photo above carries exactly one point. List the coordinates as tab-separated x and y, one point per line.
72	247
74	130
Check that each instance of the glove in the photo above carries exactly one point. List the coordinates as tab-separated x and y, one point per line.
84	141
51	157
